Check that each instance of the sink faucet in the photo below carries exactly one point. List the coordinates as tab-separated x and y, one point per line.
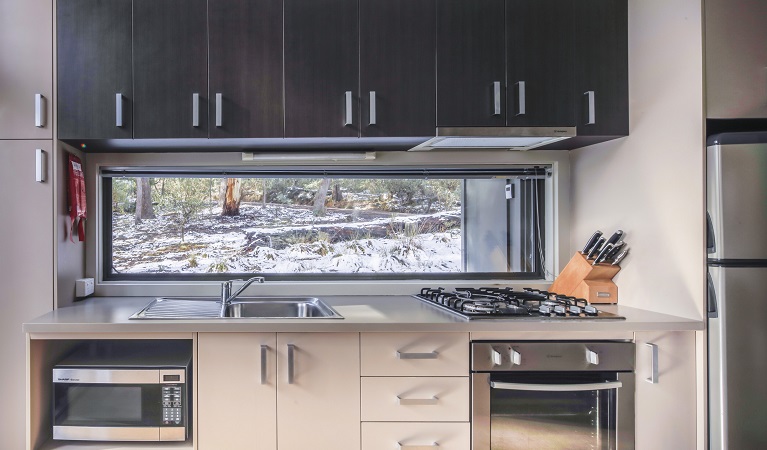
226	291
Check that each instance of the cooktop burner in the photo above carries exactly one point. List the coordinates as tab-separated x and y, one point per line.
507	303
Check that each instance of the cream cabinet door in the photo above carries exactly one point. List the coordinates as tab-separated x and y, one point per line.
26	59
318	391
237	391
665	408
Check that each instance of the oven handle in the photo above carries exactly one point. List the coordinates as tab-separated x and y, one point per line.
556	387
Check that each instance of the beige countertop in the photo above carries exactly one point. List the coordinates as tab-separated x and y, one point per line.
361	313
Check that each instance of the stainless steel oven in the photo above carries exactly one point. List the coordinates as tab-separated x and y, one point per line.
552	395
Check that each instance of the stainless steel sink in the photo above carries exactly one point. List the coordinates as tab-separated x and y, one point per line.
281	308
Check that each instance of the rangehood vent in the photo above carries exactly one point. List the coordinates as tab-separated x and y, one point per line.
507	138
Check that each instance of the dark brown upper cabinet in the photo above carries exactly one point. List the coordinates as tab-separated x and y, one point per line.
539	42
321	68
245	45
397	67
471	63
601	68
170	68
95	85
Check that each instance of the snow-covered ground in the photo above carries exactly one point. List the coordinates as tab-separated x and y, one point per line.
283	239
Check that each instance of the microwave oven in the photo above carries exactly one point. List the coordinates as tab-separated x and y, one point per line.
122	392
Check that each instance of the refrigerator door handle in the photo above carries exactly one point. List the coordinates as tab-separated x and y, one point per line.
713	311
710	237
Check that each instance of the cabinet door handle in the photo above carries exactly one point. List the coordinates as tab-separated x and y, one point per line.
219	110
291	363
417	401
118	110
264	351
521	101
195	110
418	447
430	355
372	107
496	98
40	165
347	108
653	363
592	113
39	110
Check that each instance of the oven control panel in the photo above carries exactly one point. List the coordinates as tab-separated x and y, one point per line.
552	355
172	405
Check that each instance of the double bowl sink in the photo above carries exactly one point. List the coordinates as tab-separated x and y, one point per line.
240	308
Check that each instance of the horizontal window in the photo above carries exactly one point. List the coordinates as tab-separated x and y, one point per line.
342	224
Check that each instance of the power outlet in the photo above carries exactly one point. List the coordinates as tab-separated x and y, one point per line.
84	287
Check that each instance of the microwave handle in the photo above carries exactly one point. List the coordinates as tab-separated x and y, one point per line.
556	387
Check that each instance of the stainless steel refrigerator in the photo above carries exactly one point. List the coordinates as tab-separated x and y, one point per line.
737	291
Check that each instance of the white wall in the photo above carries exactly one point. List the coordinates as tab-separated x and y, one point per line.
651	184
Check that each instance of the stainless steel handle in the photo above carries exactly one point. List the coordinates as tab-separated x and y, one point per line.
653	364
39	110
264	351
592	357
592	116
41	164
521	102
417	447
291	363
195	110
219	109
516	358
431	355
556	387
118	110
372	107
417	401
348	108
496	98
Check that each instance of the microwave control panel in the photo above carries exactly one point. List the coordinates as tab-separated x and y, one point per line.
172	405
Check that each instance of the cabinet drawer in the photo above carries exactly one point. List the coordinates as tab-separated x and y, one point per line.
415	354
405	436
415	399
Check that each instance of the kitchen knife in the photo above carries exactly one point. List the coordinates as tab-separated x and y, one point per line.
593	240
620	257
615	250
603	254
596	248
615	237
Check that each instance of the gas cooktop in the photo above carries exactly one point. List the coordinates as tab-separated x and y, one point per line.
507	303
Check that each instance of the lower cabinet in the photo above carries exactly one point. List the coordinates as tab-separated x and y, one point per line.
415	436
665	390
299	389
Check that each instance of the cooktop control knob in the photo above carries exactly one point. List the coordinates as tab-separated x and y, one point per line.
516	358
592	357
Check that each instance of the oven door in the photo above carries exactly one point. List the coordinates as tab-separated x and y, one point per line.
553	410
117	405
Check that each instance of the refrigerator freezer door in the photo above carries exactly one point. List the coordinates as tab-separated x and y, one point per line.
738	359
737	201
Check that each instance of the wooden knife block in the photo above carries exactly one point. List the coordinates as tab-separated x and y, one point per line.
583	280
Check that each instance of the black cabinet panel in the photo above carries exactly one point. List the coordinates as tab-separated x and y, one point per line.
94	65
246	68
397	64
540	62
601	67
471	57
170	50
321	66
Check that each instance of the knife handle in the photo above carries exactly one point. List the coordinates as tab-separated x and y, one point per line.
603	254
615	237
620	257
592	240
615	250
596	248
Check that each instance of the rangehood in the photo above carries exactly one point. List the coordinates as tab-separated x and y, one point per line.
508	138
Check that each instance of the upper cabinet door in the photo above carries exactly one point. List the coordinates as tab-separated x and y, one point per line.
540	63
26	69
601	67
321	68
246	68
397	67
170	68
95	95
471	63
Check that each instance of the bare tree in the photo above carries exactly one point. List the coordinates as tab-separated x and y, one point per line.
232	197
319	208
144	208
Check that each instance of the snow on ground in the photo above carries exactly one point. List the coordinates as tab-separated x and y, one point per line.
309	244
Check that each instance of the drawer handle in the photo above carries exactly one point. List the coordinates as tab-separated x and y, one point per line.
417	401
430	355
417	447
